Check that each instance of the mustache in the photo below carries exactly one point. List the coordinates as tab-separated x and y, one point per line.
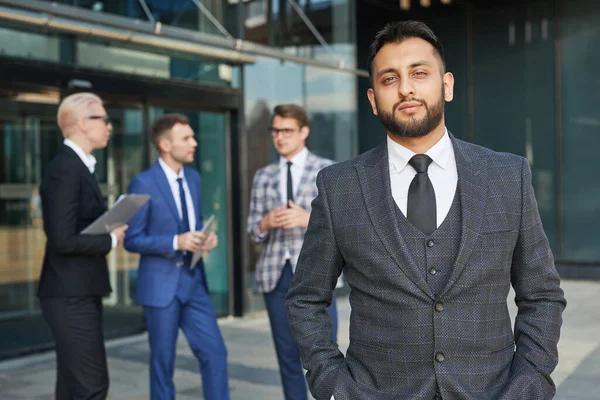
405	101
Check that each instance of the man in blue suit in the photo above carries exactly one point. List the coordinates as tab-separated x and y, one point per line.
166	234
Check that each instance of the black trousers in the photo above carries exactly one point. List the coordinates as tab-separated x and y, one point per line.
76	324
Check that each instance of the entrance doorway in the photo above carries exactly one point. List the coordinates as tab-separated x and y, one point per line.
29	138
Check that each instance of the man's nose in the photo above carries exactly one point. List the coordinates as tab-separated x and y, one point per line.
406	88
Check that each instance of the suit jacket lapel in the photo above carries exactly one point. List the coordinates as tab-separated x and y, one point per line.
94	182
274	179
374	179
473	188
308	165
88	175
195	199
165	188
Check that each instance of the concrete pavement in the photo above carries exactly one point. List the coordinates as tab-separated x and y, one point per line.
253	366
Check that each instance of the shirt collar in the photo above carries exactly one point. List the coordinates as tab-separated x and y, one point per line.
399	156
88	159
172	176
298	160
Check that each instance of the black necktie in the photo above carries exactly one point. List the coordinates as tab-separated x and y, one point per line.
421	208
290	187
184	212
185	223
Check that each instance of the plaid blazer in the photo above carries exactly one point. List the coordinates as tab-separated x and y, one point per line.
265	197
404	340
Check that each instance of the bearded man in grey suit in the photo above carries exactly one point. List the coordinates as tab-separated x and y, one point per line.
430	233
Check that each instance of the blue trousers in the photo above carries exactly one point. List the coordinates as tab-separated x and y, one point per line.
192	311
288	354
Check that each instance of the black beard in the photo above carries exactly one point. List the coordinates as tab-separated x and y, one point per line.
414	127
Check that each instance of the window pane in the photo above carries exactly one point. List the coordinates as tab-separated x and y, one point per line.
580	61
29	45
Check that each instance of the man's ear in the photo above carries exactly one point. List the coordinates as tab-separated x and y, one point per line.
164	145
82	124
448	87
305	131
371	96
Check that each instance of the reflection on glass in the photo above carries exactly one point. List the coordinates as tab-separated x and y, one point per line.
16	43
526	100
180	13
580	60
280	25
120	59
24	147
331	105
150	63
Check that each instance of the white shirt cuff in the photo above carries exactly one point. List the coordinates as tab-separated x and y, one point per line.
175	244
114	241
260	235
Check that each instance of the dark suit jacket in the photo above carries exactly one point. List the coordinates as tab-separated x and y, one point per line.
74	264
396	330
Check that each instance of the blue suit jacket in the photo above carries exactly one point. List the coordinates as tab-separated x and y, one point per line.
151	233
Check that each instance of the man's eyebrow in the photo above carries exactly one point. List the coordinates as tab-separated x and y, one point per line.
416	64
420	64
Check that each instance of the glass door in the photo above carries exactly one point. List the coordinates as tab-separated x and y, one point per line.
29	139
122	159
25	142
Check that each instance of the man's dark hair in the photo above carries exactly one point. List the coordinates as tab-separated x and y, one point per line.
398	32
292	111
164	124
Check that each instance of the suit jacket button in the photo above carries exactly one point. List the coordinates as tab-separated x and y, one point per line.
439	306
179	264
430	243
433	271
439	357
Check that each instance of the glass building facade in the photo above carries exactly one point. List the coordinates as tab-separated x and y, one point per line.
525	84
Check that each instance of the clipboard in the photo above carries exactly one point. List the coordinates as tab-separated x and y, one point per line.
206	230
119	214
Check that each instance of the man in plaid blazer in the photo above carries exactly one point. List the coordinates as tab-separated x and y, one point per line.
430	232
279	211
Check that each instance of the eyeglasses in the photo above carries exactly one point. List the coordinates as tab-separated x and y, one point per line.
105	118
285	132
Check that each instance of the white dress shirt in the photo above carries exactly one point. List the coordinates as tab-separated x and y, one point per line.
442	172
172	177
88	159
298	162
90	162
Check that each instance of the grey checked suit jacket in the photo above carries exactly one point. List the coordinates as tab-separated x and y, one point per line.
395	330
266	197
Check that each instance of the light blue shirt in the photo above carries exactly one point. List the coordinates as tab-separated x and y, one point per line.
172	177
